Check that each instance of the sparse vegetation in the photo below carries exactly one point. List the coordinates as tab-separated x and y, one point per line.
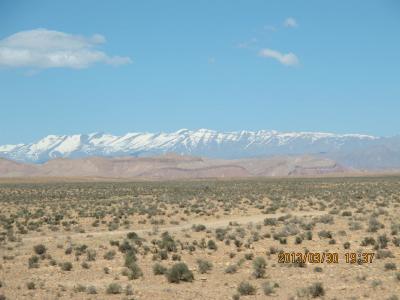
225	231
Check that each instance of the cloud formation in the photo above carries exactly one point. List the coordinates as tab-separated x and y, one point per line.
288	59
42	48
290	22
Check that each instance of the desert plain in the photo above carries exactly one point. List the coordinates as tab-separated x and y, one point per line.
199	239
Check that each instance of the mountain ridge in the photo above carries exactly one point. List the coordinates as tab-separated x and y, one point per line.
344	148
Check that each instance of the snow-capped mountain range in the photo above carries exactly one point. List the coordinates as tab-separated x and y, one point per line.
355	150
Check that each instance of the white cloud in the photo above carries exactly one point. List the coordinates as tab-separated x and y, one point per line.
42	48
290	22
288	59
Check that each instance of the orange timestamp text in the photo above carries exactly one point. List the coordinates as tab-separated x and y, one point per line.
325	257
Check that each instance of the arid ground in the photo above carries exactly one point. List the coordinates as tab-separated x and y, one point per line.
199	239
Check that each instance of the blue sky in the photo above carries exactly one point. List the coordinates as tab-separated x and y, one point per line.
123	66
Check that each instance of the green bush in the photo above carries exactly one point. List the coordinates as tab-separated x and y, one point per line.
91	290
130	257
318	270
383	241
163	254
269	287
199	227
129	290
270	222
325	234
114	288
33	262
249	256
220	234
374	225
397	276
212	245
231	269
132	236
30	285
167	242
298	240
40	249
66	266
109	255
176	257
159	269
259	265
80	288
134	271
245	288
204	266
179	272
316	290
382	254
390	266
126	247
368	241
91	254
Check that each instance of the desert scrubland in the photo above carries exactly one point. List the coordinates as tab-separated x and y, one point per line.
204	239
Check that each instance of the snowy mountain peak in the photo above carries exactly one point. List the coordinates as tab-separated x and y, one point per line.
201	142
